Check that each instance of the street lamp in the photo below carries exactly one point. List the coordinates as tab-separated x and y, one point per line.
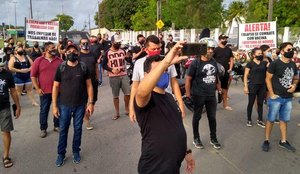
31	16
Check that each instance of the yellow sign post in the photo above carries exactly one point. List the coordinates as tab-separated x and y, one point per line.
160	24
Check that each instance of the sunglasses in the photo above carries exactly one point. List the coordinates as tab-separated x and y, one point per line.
291	49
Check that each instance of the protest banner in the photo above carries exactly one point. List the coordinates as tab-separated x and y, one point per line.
253	35
42	31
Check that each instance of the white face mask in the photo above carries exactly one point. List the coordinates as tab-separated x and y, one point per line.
5	44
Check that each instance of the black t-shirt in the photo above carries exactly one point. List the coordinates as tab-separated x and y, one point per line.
96	49
106	44
257	73
73	90
282	79
8	52
6	82
90	60
204	77
170	45
162	47
222	56
136	49
163	135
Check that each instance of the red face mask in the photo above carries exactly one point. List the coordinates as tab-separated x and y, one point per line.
153	53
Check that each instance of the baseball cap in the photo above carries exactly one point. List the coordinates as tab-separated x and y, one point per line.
71	46
117	38
222	36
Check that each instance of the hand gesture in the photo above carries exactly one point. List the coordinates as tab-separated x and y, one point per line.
173	56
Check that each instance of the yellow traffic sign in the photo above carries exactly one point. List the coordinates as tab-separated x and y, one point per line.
160	24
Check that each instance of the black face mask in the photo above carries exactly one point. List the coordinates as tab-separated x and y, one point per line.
289	54
36	46
72	57
85	46
117	46
20	53
52	52
260	58
224	43
142	42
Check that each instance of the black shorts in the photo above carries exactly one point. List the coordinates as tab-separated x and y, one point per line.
224	81
6	122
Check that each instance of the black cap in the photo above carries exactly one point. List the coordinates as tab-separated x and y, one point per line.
71	46
223	36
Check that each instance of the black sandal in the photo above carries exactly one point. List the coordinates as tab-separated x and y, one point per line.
7	162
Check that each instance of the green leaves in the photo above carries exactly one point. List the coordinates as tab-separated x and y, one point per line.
65	21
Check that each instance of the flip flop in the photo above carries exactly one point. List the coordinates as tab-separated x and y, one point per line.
7	163
228	108
116	117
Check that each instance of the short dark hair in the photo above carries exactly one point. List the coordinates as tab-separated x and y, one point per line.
284	44
149	60
170	35
264	47
253	51
83	39
47	45
152	38
139	35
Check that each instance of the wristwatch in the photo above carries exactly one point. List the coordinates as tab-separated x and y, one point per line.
188	151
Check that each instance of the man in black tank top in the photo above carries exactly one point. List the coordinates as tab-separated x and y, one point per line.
159	117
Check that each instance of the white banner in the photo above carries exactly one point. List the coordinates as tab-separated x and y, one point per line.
253	35
42	31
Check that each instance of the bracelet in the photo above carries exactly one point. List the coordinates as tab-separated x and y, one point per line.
90	103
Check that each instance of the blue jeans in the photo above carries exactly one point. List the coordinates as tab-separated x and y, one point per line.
100	72
65	117
45	101
283	106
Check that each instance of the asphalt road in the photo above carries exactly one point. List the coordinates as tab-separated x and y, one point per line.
113	147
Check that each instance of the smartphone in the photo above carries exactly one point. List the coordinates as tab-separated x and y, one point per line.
194	49
14	107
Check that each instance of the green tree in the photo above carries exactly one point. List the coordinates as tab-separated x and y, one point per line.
237	11
65	21
257	11
145	17
287	13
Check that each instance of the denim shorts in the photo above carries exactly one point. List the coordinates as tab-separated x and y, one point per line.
281	106
20	81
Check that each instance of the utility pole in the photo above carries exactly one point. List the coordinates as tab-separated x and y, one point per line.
158	13
99	16
270	11
89	23
31	14
15	6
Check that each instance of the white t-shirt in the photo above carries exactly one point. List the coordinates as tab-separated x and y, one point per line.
138	72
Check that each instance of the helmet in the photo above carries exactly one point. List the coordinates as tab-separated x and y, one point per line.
209	41
2	59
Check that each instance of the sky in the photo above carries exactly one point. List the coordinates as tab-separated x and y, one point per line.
46	10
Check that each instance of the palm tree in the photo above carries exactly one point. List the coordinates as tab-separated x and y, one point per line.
236	12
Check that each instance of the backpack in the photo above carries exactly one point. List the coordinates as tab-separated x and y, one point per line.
63	65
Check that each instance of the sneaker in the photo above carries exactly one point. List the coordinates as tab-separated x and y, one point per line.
76	158
56	129
60	160
266	146
287	146
249	123
100	84
214	142
298	124
261	124
276	121
198	144
43	134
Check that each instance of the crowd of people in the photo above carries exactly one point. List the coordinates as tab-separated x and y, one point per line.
68	76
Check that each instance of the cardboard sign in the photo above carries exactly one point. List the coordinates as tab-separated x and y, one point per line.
42	31
253	35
